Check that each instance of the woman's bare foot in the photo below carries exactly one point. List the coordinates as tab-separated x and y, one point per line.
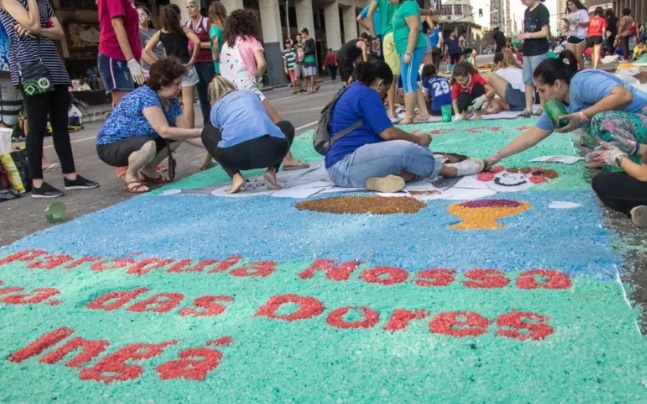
237	183
270	178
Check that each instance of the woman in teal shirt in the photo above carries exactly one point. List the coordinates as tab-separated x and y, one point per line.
410	44
217	17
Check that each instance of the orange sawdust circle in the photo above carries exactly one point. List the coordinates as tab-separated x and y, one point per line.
376	205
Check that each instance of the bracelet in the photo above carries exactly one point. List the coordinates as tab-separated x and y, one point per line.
408	53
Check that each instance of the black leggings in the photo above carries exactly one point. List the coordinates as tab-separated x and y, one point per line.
261	152
454	58
466	99
610	47
624	43
38	107
619	191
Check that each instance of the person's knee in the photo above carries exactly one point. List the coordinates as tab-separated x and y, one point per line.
602	182
287	128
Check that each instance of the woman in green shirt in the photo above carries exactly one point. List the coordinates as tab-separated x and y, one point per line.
410	44
217	17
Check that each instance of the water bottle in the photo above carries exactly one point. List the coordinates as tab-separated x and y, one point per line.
555	108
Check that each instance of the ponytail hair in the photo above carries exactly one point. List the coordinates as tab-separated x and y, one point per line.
563	68
463	69
367	72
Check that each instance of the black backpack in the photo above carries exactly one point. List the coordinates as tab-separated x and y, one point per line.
321	139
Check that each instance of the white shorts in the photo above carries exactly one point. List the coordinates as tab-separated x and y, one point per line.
190	78
254	88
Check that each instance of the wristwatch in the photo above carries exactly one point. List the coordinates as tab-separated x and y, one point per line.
408	53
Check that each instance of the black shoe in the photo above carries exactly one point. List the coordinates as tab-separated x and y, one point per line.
46	191
80	183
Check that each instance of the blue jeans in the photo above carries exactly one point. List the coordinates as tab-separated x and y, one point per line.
409	72
530	63
206	72
381	159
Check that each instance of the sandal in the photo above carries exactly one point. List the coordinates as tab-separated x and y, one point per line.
316	89
160	179
136	187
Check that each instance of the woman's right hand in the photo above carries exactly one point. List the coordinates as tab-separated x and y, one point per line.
491	161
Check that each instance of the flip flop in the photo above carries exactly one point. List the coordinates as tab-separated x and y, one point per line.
161	179
136	187
299	167
51	167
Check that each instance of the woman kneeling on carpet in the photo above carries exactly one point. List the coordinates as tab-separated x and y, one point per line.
376	154
137	132
603	105
243	136
507	83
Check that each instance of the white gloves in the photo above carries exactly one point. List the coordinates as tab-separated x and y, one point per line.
136	71
478	102
607	154
457	118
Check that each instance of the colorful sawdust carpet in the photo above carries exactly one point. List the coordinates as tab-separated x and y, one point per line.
177	298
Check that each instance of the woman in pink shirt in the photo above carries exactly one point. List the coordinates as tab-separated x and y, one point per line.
204	63
597	27
120	47
242	61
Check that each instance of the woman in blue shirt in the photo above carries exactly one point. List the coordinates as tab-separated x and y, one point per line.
376	154
603	105
136	133
243	136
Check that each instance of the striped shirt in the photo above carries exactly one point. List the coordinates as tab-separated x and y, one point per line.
27	49
290	57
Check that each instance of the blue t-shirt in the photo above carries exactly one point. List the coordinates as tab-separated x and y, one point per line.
240	116
452	46
435	37
440	92
590	86
376	19
128	120
357	102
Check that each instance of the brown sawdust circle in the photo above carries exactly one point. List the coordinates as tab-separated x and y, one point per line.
376	205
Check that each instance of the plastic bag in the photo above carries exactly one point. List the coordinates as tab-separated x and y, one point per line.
17	168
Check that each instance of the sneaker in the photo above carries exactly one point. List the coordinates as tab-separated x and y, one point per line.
525	114
468	167
538	112
79	183
639	215
46	191
388	184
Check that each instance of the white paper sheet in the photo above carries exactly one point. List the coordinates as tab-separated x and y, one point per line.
564	205
558	159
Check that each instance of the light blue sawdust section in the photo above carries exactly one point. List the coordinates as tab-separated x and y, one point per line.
267	228
455	138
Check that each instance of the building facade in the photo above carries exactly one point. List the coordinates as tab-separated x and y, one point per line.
500	16
330	23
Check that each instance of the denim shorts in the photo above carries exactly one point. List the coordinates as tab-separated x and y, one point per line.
515	98
115	74
530	63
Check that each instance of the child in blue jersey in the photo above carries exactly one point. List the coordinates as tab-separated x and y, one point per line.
438	90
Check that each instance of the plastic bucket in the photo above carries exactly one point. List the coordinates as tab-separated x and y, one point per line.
446	112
